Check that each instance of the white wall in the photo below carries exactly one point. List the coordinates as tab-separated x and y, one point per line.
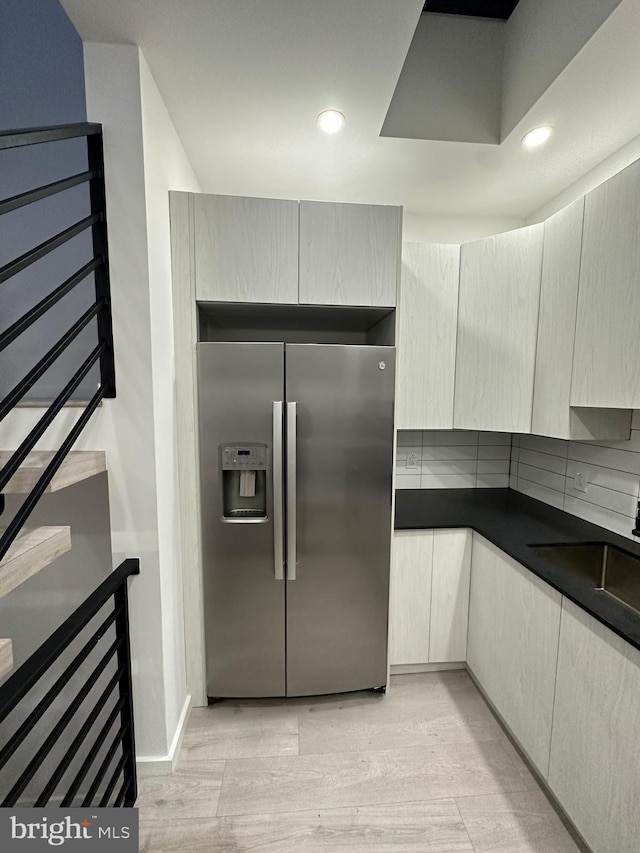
609	167
113	97
431	228
165	167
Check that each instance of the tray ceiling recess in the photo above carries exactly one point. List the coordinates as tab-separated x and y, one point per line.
452	84
501	9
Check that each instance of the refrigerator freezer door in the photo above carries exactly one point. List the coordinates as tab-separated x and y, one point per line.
337	605
243	595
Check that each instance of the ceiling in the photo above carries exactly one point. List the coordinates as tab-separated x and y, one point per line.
244	82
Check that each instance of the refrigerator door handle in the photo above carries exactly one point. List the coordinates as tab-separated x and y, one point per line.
278	494
291	490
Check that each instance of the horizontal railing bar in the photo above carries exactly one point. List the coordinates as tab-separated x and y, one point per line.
114	779
49	301
30	196
29	504
122	793
60	726
23	679
37	135
33	255
19	390
91	755
43	424
105	764
23	730
70	754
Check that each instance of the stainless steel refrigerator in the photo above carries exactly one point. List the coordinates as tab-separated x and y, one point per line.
296	450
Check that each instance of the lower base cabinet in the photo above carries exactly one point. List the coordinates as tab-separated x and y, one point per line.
567	686
429	599
512	647
595	764
450	595
410	596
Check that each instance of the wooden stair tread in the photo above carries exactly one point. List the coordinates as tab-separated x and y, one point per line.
6	657
78	465
34	549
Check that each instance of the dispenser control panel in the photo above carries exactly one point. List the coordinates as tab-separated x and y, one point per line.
243	457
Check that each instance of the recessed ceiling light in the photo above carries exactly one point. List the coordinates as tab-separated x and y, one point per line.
536	137
331	121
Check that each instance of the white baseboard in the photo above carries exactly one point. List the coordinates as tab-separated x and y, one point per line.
164	765
413	668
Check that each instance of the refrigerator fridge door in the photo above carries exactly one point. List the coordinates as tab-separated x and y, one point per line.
240	410
342	429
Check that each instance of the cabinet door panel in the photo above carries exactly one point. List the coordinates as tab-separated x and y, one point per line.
557	321
410	597
512	647
246	249
450	595
607	346
349	253
594	766
497	329
427	317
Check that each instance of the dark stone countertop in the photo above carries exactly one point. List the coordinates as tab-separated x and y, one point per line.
512	522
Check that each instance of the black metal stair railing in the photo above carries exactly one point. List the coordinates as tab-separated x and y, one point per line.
76	751
98	266
66	713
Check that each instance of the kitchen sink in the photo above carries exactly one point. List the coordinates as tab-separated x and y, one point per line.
610	569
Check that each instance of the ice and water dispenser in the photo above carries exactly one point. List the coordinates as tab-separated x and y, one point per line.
244	481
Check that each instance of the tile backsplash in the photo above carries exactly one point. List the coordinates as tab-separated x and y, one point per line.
452	459
546	468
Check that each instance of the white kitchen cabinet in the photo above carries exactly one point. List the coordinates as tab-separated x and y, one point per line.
497	330
450	595
606	369
410	596
349	253
246	249
594	768
429	598
552	414
512	646
426	336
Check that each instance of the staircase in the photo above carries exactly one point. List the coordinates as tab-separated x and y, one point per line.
35	548
77	466
23	550
45	693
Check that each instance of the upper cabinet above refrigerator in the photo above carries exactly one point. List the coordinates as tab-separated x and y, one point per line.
349	254
246	249
278	251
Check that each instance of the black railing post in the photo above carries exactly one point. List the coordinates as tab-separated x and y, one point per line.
100	249
121	598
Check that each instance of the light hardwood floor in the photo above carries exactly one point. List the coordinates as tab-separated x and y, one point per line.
425	768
